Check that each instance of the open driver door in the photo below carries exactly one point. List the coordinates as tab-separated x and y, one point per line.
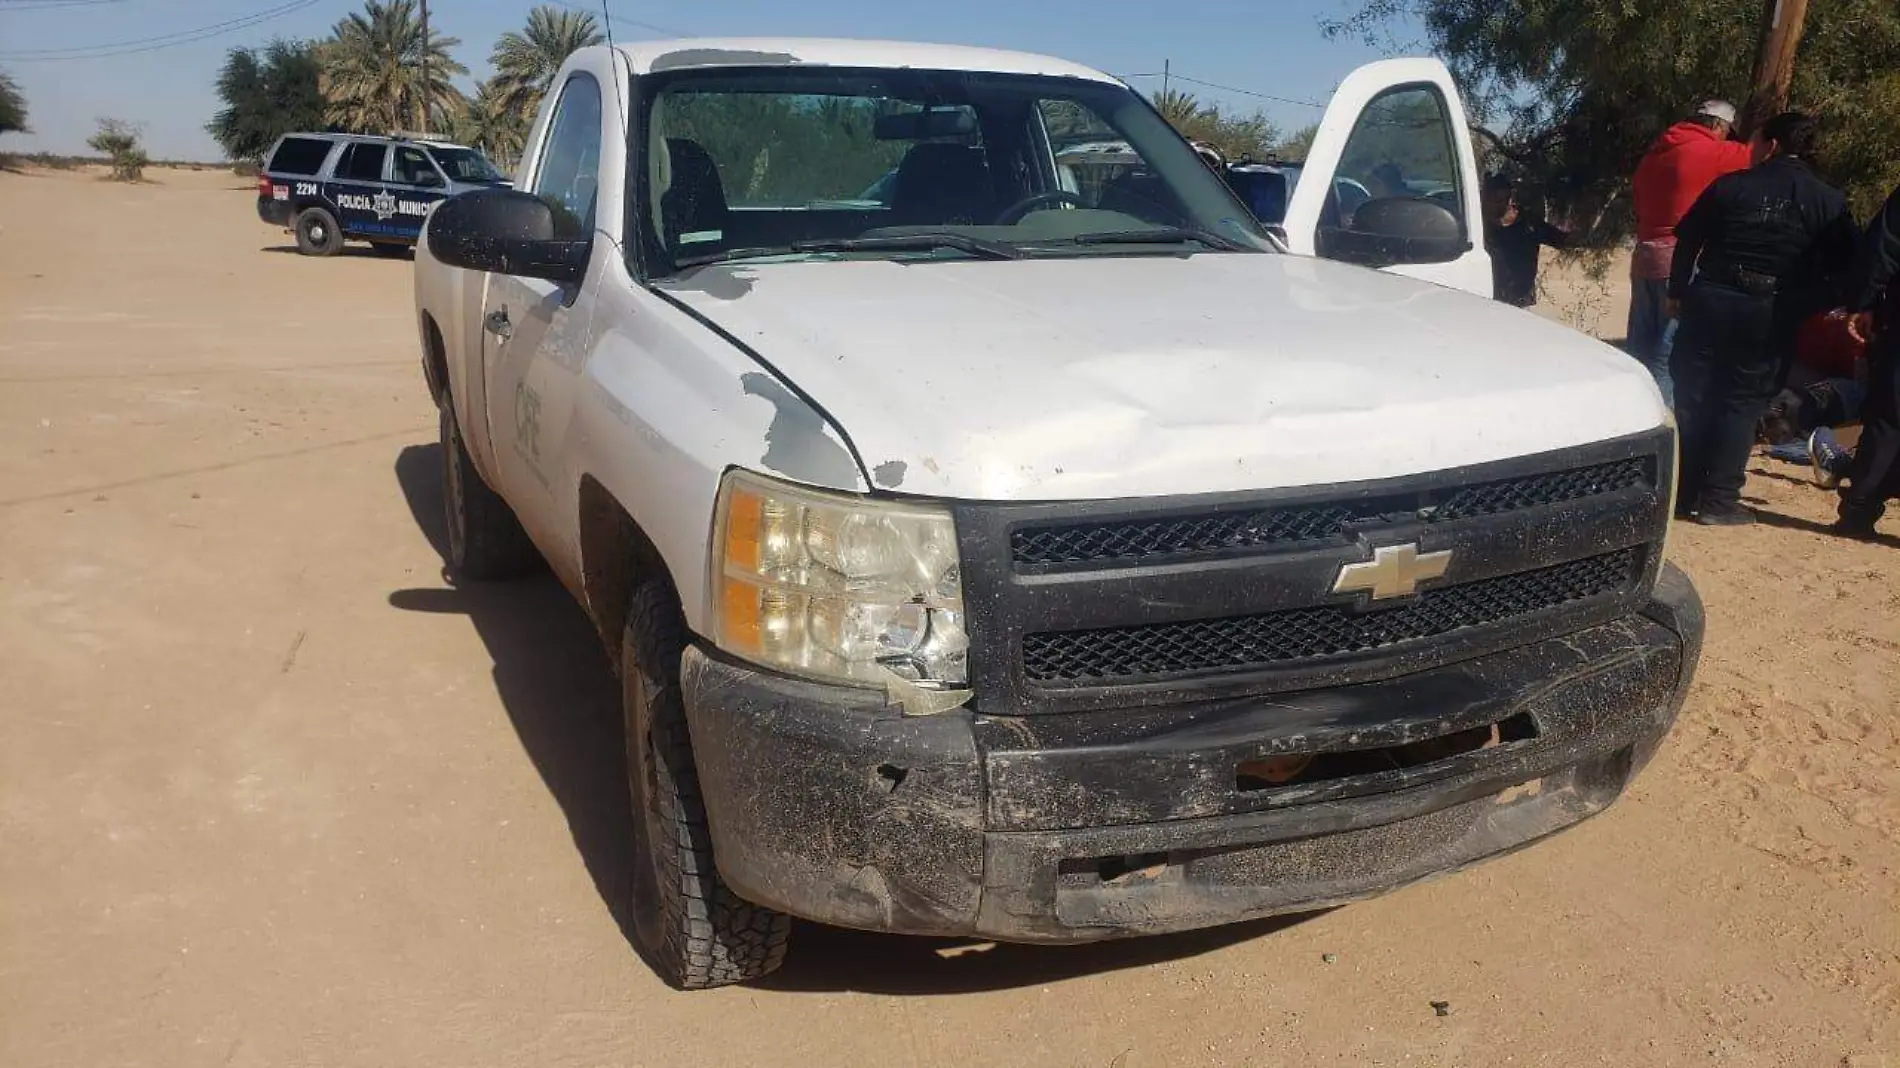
1391	180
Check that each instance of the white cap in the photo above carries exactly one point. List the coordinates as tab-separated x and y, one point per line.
1718	109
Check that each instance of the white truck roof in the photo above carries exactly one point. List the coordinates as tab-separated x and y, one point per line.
651	57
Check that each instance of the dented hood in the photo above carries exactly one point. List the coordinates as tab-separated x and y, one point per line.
1146	376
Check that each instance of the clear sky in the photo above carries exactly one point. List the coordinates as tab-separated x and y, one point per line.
1266	46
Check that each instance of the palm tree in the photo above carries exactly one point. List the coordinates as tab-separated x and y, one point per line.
526	63
489	122
1179	108
373	70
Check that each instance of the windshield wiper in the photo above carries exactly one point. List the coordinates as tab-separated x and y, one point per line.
975	246
1164	235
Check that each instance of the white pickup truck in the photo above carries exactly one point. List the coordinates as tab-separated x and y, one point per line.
1038	551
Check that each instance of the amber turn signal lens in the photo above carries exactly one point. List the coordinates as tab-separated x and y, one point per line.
745	513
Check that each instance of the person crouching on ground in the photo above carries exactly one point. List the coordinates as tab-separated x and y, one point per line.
1825	390
1675	171
1751	256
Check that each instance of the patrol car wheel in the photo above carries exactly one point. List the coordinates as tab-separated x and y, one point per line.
485	539
318	233
689	925
394	250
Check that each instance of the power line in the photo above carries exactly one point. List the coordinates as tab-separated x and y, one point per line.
1179	77
152	44
622	19
36	5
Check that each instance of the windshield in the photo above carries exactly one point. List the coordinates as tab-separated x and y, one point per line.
465	165
753	164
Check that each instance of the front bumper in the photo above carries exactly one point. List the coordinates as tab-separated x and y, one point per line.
828	804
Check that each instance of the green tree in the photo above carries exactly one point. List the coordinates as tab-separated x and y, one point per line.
1237	136
779	151
490	122
525	63
1296	145
372	71
1577	90
12	108
266	95
118	141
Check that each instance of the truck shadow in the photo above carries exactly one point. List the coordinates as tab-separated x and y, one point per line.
349	251
832	960
553	681
564	705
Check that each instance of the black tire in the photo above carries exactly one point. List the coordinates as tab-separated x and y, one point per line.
689	925
318	233
485	539
394	250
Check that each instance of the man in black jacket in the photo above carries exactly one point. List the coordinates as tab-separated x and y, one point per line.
1515	239
1874	301
1759	252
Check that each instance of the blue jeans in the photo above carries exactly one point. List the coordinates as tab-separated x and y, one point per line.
1652	334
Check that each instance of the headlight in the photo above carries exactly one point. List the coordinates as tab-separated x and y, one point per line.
841	588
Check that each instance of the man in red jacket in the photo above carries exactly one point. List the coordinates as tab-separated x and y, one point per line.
1679	166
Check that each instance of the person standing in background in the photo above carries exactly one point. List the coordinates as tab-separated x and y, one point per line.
1678	167
1873	478
1515	239
1753	257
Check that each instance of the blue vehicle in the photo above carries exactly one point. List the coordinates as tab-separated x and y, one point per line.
329	188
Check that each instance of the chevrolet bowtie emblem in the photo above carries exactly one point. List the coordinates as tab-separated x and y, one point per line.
1393	571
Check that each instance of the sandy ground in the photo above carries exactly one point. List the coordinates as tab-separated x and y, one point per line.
271	794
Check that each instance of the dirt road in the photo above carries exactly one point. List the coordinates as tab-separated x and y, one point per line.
272	794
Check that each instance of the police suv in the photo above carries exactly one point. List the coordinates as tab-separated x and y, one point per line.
331	187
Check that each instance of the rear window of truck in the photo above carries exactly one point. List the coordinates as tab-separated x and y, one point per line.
299	155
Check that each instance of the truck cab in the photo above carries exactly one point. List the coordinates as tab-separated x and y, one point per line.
1043	549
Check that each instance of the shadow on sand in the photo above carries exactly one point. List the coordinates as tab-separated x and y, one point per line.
351	250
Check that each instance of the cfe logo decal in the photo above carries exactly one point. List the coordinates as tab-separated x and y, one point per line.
384	204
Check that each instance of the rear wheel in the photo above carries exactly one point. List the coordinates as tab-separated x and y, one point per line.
485	539
318	233
691	927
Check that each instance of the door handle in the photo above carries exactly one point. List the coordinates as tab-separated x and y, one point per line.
496	322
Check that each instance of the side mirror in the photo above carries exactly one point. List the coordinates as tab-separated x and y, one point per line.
507	232
1387	231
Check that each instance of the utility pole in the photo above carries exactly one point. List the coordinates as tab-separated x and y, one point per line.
422	123
1781	24
1166	73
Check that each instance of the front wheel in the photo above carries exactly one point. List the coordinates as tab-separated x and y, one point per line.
394	250
318	233
690	926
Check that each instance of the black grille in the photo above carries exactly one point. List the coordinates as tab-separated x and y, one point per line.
1310	634
1132	540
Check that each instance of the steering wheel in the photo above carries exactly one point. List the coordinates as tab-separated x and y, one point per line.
1015	212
